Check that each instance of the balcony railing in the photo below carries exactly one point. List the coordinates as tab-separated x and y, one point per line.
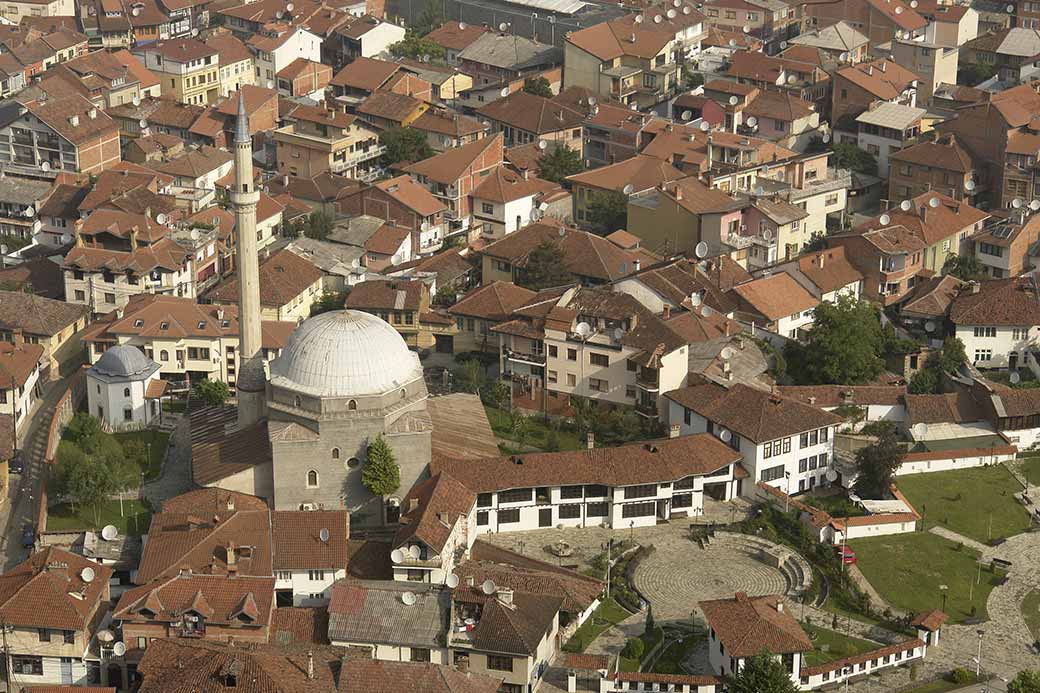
836	179
647	409
525	357
648	380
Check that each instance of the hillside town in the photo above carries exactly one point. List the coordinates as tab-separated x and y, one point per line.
372	346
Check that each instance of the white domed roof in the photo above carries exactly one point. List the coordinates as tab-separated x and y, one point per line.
345	353
124	361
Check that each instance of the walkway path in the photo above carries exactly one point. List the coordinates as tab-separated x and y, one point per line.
959	538
175	477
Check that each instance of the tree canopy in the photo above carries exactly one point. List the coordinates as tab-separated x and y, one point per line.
762	674
545	268
92	465
843	347
1026	681
539	86
328	301
561	162
381	475
414	46
211	391
608	211
405	144
966	267
876	465
317	225
847	155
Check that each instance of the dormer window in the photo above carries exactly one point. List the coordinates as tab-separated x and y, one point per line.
164	326
225	323
202	324
139	323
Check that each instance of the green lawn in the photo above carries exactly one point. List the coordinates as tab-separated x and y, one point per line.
608	613
156	441
907	569
978	502
837	505
829	645
1031	612
938	686
176	406
650	641
135	519
1031	468
538	431
671	659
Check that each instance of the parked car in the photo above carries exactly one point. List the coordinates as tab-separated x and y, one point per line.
28	536
16	465
846	554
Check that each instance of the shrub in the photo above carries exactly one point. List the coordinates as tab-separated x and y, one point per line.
633	649
961	675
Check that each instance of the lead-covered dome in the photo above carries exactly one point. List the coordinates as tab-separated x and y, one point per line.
125	361
345	353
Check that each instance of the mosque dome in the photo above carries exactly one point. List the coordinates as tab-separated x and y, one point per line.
345	353
125	361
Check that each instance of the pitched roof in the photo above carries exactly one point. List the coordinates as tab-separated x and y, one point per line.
837	395
839	36
389	105
229	48
382	676
430	510
298	543
447	167
387	239
217	454
42	276
18	362
386	294
504	185
931	297
756	415
365	73
748	625
454	35
283	276
532	113
363	611
899	13
495	301
411	195
510	52
613	39
60	114
447	123
778	105
1014	301
37	315
37	593
585	254
180	49
640	171
931	224
776	296
829	269
945	152
882	78
221	599
948	407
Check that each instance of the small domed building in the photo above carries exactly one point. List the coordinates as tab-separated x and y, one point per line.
344	378
124	389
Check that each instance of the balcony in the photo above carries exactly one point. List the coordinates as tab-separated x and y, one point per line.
837	179
647	409
648	380
524	357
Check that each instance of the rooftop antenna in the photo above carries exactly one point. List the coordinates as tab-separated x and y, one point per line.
397	556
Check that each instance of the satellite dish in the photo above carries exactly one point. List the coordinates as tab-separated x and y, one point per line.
746	29
905	205
279	14
676	3
1034	205
289	7
826	137
791	79
686	10
105	636
695	300
1017	203
161	218
563	231
542	144
733	101
1014	377
462	26
705	126
46	166
969	185
701	250
934	202
671	14
1010	9
725	435
767	234
452	580
831	475
657	19
752	121
503	26
783	45
119	649
618	333
323	534
583	329
397	556
504	92
639	19
913	4
732	43
142	123
195	234
687	114
270	84
87	574
706	311
627	189
726	353
592	100
136	101
409	598
536	214
929	326
488	587
136	11
885	219
194	32
414	551
844	57
109	532
920	430
425	226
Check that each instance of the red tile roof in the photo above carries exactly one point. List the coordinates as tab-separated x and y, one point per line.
37	592
1008	302
298	543
748	625
283	276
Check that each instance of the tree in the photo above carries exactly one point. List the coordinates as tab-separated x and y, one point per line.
694	79
843	347
1026	681
649	629
952	356
633	649
318	225
431	18
876	465
545	268
561	162
89	479
762	674
965	267
213	392
328	301
817	241
405	144
539	86
924	382
82	427
445	296
972	74
846	155
473	376
609	211
416	47
381	475
519	427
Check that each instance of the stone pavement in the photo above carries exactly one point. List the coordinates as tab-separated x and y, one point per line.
958	538
175	477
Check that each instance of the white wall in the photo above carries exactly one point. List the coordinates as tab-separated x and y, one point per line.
950	463
885	146
107	401
1001	345
378	39
303	587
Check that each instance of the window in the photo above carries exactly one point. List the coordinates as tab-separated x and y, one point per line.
552	351
507	517
983	354
45	635
487	208
599	359
772	473
551	376
70	637
315	575
128	414
484	500
630	391
572	491
110	298
647	509
597	509
985	332
596	491
142	643
353	463
572	380
80	295
28	665
312	479
126	392
1019	333
803	465
570	511
335	453
482	518
515	495
420	654
644	491
598	385
164	355
499	663
572	355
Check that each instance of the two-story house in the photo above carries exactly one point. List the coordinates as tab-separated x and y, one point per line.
405	304
289	284
942	165
483	308
998	321
314	139
189	70
278	44
776	302
310	554
772	22
20	387
403	203
522	118
629	177
506	201
1008	248
51	324
880	20
857	87
885	128
889	259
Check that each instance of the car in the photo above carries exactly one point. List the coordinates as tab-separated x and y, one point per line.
845	554
28	535
16	465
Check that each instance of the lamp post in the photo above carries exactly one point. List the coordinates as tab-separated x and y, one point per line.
787	496
942	590
846	672
978	659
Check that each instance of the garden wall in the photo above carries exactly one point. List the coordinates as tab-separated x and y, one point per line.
947	460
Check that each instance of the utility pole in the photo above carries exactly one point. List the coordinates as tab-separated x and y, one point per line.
7	656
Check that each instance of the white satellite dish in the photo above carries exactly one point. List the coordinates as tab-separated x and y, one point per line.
913	4
705	126
844	57
746	29
534	216
87	574
136	11
592	100
488	587
194	32
1034	205
686	10
672	14
542	144
583	329
462	26
142	123
732	43
752	121
885	219
791	79
425	226
409	598
969	185
618	333
905	205
657	19
452	580
323	534
767	234
46	166
414	551
279	14
109	532
701	250
920	430
676	3
503	26
934	202
831	475
195	234
397	556
639	19
119	649
826	137
725	435
733	101
783	45
929	326
1014	377
105	636
563	231
706	311
627	189
687	114
504	92
1017	203
1010	9
726	353
695	300
161	218
270	84
289	7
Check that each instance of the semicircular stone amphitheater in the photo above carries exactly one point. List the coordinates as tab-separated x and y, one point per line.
674	580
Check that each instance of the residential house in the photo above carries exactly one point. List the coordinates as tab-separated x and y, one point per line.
1008	248
483	308
777	303
159	115
494	57
39	276
187	339
367	37
886	128
54	644
195	175
835	40
676	216
387	247
262	116
804	76
446	84
310	555
506	201
304	78
188	68
522	118
827	274
15	11
20	199
403	203
783	118
277	45
108	75
386	109
405	304
69	134
951	24
448	130
49	323
998	321
1011	52
288	286
314	139
629	177
889	258
358	79
235	61
934	63
20	387
611	133
454	37
770	21
778	223
942	165
857	87
454	175
667	288
879	20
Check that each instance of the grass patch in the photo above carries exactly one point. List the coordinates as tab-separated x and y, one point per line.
1030	468
156	442
907	570
837	505
650	641
829	645
134	520
942	686
671	658
176	406
978	502
607	614
1031	612
538	432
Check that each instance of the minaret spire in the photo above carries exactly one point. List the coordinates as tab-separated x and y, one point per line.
250	379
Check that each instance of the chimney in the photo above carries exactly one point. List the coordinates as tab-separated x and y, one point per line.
310	665
779	606
18	336
590	440
505	596
975	287
822	257
525	173
119	313
231	556
881	66
413	504
870	71
667	313
678	193
635	265
812	399
469	580
220	316
673	431
727	328
231	499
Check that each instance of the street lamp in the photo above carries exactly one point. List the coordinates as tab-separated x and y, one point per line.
943	589
847	673
978	660
787	498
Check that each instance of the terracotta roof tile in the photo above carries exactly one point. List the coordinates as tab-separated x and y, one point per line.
885	84
297	539
932	225
495	301
283	276
531	113
447	167
380	676
829	269
439	502
37	592
18	362
748	625
504	185
453	36
1014	301
37	315
364	73
412	195
776	296
641	172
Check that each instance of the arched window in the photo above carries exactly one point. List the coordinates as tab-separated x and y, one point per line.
126	392
352	405
164	355
296	401
353	462
403	394
335	453
312	479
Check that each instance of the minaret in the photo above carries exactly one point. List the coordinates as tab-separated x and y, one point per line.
251	380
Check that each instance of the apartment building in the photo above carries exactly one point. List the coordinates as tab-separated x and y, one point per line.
934	63
942	165
889	258
235	61
316	139
770	21
998	321
187	339
879	20
70	134
857	87
277	45
1008	248
188	69
886	128
20	388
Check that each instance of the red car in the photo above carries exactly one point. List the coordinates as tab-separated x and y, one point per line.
846	554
